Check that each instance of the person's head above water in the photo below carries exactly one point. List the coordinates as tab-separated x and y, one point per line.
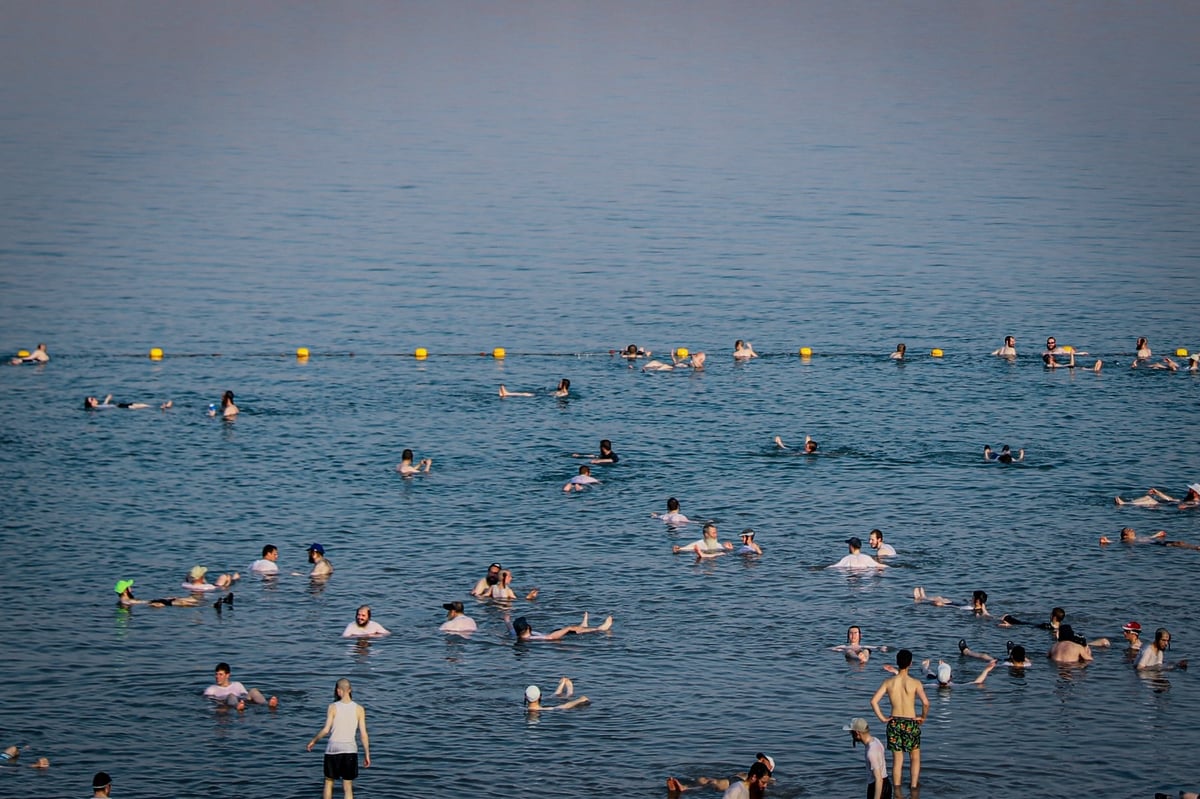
407	455
903	659
672	504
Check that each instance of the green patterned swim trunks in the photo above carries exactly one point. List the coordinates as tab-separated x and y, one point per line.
903	735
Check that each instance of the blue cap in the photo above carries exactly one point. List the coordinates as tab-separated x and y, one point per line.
320	550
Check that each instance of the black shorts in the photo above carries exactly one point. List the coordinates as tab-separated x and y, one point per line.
887	789
341	767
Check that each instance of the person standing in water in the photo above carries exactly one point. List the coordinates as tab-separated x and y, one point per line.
903	725
343	719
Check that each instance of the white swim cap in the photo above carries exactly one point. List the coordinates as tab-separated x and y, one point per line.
533	693
944	673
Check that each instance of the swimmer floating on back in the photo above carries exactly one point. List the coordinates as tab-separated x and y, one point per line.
533	697
93	404
810	446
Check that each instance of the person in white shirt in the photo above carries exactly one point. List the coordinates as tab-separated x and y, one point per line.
457	621
673	515
235	694
856	559
708	546
362	626
878	786
266	564
1151	655
581	480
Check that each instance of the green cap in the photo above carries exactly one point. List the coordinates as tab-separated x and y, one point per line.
122	586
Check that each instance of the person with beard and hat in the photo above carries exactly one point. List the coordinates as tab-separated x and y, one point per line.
878	786
457	621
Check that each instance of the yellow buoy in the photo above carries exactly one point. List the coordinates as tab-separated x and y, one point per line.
498	353
156	354
421	354
1181	352
1067	348
936	353
302	352
23	353
681	352
806	352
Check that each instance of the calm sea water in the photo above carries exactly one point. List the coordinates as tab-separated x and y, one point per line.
562	181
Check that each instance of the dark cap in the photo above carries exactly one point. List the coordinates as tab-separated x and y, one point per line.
748	532
314	547
496	566
456	605
101	780
854	542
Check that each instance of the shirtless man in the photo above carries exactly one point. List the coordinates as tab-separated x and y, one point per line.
39	355
1129	536
903	725
882	550
1151	499
1009	350
1067	648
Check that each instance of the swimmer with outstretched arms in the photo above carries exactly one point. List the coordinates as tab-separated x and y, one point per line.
854	649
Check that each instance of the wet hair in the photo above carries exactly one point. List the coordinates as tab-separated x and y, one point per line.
1009	341
407	455
810	446
367	608
672	503
1159	633
585	469
980	596
222	667
1141	342
709	526
737	345
1017	654
900	348
268	549
1058	614
631	349
605	444
853	627
564	384
1066	632
226	398
758	770
520	625
903	659
876	532
1047	358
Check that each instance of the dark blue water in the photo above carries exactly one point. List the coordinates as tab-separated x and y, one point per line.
561	182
